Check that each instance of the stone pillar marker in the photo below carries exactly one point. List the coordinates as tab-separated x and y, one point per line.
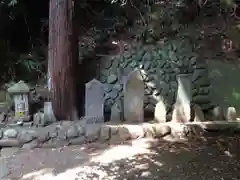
20	92
115	113
160	112
231	114
94	99
48	112
134	97
182	107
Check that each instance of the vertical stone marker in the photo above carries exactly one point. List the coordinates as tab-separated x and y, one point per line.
94	99
231	114
160	112
182	107
133	97
115	113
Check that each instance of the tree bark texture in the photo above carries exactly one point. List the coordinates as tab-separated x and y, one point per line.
62	58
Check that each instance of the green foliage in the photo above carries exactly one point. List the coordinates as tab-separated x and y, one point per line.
141	21
23	23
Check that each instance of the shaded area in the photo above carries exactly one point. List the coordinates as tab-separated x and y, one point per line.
225	82
215	158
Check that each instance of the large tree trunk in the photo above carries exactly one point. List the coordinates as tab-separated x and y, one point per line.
62	58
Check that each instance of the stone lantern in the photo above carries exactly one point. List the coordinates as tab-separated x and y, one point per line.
20	92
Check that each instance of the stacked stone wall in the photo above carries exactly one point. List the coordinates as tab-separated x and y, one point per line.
160	66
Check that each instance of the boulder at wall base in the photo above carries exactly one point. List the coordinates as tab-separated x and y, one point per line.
92	132
10	133
72	132
31	145
105	133
161	130
26	137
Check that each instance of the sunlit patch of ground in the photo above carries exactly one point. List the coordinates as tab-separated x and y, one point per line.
217	158
87	160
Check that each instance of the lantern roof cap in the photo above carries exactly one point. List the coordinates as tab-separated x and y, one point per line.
19	88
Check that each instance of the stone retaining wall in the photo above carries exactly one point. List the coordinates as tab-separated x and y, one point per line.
76	133
161	65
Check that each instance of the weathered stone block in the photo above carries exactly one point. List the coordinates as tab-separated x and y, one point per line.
123	134
105	133
31	145
134	97
53	143
198	113
43	137
161	130
92	132
148	130
25	137
10	133
72	132
77	141
115	113
94	99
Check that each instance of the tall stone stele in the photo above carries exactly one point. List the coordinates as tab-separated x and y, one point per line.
182	106
20	92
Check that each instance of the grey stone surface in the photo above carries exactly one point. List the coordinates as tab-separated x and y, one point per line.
10	133
53	143
182	107
72	132
92	132
92	120
43	137
160	112
77	141
31	145
162	130
184	94
134	97
48	113
115	113
26	137
39	120
231	114
112	79
94	98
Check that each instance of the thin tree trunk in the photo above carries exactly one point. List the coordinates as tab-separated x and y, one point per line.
62	58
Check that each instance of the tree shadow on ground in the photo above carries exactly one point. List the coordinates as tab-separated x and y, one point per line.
215	158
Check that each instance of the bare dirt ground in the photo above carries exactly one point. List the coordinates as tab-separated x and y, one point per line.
215	158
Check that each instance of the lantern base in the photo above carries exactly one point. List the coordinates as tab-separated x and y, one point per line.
25	118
